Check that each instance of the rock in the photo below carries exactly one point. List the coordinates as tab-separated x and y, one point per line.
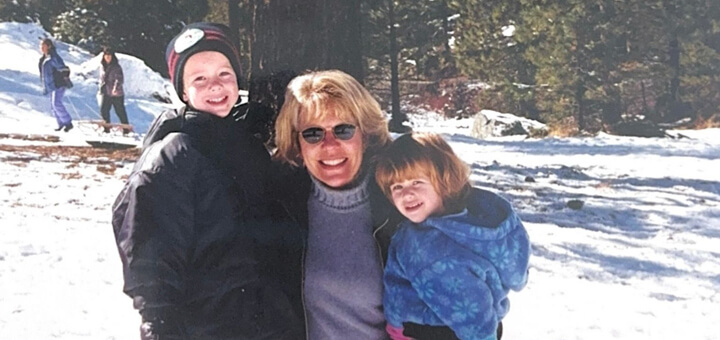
529	179
514	129
642	128
482	127
488	123
575	204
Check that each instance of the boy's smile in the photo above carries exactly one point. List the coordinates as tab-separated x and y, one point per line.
209	83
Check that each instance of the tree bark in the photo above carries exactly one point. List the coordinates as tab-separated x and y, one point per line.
290	37
233	15
396	122
579	100
673	62
674	51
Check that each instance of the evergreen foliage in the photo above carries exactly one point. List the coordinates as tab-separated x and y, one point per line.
486	48
83	28
43	11
423	31
591	64
140	28
594	63
19	11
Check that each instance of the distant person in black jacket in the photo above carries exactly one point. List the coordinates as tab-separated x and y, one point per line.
111	88
186	221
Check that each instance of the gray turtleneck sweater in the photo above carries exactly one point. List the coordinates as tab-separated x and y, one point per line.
343	270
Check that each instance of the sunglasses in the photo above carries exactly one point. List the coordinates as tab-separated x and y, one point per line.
315	135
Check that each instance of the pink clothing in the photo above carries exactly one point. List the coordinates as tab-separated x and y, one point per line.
396	333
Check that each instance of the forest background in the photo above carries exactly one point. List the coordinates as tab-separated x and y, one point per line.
579	66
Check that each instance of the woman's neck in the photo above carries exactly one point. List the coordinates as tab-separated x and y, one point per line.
346	197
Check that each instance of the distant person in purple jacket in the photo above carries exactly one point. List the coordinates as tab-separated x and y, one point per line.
462	249
111	88
50	66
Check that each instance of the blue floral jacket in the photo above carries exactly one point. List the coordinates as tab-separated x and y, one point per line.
456	270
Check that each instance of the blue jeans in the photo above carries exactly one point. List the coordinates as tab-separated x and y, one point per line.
58	109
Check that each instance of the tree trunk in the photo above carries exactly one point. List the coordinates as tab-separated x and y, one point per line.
579	95
445	13
396	122
449	69
233	12
233	15
290	37
674	61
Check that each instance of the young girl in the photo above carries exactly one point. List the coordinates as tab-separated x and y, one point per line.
453	262
111	88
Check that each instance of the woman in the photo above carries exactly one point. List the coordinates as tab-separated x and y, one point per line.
329	130
49	65
111	88
331	126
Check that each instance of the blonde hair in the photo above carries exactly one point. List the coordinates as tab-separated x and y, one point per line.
416	154
315	94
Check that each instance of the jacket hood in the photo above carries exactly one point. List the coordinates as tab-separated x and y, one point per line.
491	229
487	217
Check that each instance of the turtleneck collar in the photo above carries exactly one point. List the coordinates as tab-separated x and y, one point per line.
343	199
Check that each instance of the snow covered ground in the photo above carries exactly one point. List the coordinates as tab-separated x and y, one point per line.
639	260
21	99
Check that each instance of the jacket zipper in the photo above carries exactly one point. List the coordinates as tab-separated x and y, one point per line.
377	243
302	290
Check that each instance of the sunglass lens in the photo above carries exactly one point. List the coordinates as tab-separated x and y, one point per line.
344	131
313	135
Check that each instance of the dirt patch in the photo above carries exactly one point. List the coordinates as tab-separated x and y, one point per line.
74	154
34	138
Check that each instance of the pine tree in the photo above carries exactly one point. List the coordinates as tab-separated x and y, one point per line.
575	50
423	33
486	47
691	33
406	40
19	11
83	28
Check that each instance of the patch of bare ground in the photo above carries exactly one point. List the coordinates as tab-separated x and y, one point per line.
73	154
34	138
106	160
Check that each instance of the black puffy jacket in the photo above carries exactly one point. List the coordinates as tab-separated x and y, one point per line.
192	226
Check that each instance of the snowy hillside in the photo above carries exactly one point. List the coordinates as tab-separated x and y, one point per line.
634	256
21	96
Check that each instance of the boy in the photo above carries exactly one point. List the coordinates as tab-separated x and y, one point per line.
460	252
184	221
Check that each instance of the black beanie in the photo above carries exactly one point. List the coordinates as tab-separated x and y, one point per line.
200	37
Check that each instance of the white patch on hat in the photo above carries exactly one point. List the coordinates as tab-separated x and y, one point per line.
188	39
